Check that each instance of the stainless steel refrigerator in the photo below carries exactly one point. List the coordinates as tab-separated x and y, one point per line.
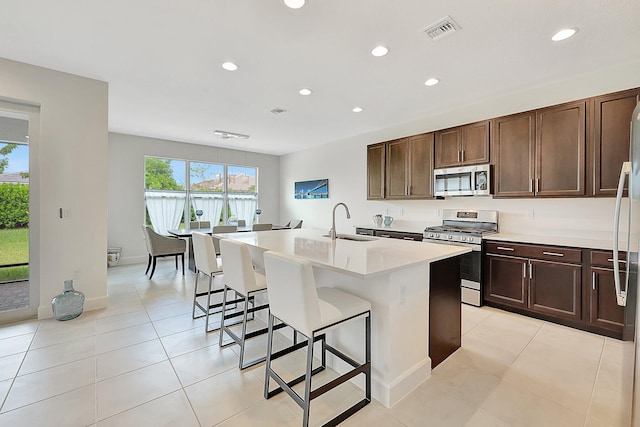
626	238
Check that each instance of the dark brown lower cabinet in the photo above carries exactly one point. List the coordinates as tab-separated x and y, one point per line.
576	290
506	280
604	309
546	287
556	289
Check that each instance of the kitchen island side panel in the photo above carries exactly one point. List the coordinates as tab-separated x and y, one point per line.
445	312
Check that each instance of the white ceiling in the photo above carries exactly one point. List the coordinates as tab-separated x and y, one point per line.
162	59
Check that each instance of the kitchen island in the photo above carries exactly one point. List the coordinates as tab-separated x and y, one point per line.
402	280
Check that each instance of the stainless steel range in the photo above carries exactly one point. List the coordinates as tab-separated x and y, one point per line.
466	228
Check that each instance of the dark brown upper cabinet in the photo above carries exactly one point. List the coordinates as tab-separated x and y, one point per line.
409	167
560	150
463	145
612	122
513	141
541	153
421	166
376	171
397	168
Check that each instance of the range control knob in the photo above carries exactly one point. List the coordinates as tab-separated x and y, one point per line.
449	236
463	238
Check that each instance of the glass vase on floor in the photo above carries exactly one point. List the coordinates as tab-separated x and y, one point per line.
69	304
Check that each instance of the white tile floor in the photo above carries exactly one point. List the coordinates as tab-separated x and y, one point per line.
145	362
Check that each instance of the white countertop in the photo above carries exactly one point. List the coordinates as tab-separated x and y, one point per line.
360	259
576	242
400	229
599	240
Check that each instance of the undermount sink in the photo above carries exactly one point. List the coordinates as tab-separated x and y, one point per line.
352	237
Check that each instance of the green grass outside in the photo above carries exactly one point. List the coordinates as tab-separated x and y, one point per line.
14	249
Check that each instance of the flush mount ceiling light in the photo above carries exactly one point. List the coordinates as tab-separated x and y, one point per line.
357	109
305	91
229	66
228	135
379	51
431	81
294	4
564	34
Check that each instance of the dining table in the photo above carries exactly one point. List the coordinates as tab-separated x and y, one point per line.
185	233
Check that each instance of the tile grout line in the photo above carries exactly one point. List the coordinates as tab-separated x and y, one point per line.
182	387
595	381
477	407
13	380
544	322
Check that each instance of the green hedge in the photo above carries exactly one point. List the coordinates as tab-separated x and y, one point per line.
14	205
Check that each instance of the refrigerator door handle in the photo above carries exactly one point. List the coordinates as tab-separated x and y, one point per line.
621	296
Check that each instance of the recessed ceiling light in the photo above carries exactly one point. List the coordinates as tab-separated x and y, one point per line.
379	51
305	91
294	4
431	82
229	66
357	109
564	34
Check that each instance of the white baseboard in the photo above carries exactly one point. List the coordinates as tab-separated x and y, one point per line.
133	260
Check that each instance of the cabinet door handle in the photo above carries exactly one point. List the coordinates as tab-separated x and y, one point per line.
552	253
593	280
620	260
502	248
385	235
531	186
530	272
459	156
524	270
537	185
407	238
462	156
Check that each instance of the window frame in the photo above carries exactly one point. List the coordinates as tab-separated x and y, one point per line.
186	215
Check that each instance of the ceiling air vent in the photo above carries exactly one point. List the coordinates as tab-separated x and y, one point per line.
442	28
278	111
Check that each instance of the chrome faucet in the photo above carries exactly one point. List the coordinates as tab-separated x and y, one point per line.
332	232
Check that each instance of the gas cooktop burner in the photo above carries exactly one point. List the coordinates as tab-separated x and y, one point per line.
463	227
449	229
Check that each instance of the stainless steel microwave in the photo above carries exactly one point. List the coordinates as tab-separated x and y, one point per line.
463	181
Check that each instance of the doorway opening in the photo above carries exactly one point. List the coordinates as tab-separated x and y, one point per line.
18	294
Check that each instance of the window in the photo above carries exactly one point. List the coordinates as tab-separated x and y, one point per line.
176	189
241	193
206	191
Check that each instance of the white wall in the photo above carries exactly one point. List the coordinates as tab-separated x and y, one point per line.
344	163
68	170
126	184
